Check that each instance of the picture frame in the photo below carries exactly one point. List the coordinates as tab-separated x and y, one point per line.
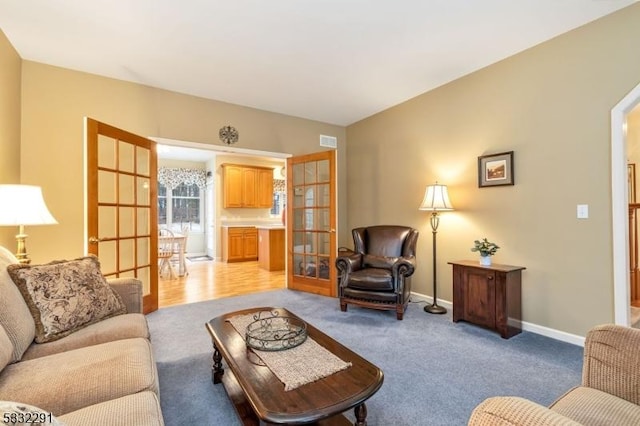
495	169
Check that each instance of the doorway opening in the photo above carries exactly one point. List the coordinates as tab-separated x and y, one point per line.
205	214
620	206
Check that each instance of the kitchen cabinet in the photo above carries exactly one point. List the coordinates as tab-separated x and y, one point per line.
247	186
489	296
239	244
271	248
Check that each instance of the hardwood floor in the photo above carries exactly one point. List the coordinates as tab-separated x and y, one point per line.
213	280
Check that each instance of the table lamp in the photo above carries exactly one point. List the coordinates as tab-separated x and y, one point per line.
23	205
436	199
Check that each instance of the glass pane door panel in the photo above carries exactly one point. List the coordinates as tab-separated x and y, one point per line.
106	187
298	219
144	276
324	243
324	219
107	254
127	222
323	195
310	172
107	222
127	254
309	267
143	190
106	152
323	268
298	242
126	190
144	254
309	220
310	196
142	161
144	223
298	196
311	242
126	158
298	174
323	171
298	264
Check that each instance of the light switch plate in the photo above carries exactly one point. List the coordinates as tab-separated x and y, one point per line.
583	211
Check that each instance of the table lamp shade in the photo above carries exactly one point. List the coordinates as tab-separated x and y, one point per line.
23	205
436	198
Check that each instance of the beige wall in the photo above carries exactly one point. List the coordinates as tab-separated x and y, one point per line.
55	100
551	105
10	68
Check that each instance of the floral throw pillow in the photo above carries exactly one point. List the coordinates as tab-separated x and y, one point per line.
65	296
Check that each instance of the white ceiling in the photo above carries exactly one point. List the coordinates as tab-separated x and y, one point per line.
336	61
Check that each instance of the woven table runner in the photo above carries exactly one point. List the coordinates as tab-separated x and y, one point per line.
297	366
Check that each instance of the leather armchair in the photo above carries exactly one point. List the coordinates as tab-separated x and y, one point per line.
377	272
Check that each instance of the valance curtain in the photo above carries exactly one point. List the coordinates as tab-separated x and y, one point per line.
171	178
279	185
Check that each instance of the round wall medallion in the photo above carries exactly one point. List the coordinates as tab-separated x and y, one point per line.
228	135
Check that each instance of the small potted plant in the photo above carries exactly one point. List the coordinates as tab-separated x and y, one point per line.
486	250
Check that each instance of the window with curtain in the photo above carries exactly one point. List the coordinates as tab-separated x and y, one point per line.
279	197
180	198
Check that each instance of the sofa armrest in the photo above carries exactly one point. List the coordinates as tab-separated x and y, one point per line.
612	361
130	290
511	410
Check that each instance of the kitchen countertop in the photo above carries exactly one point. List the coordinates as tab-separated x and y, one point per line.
253	225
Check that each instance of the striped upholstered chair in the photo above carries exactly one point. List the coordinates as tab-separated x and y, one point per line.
609	394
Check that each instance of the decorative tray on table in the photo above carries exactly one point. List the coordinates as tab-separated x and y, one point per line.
271	332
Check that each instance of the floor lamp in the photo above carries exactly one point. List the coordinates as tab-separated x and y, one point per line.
23	205
436	199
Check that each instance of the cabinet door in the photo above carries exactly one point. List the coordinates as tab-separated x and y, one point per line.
250	242
480	296
235	244
265	188
249	180
233	186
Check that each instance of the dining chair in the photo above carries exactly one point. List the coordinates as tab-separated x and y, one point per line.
166	246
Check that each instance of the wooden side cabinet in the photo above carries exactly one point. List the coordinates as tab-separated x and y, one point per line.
239	244
247	186
489	296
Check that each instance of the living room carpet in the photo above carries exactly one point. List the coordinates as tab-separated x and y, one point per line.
436	371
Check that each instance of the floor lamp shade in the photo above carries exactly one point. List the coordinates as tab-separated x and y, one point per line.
436	199
23	205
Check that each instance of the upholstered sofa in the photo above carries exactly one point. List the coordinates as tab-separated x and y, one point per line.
102	373
609	394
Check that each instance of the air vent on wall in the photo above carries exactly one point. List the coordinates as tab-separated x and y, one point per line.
328	141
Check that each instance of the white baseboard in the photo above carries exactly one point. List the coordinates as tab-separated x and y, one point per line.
526	326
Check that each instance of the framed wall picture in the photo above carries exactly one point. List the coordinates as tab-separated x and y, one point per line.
495	169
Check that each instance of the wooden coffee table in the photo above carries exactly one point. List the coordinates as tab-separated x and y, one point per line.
259	396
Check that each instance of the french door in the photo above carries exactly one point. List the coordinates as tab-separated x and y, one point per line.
122	225
311	212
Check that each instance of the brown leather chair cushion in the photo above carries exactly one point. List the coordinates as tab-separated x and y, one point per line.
372	279
382	262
